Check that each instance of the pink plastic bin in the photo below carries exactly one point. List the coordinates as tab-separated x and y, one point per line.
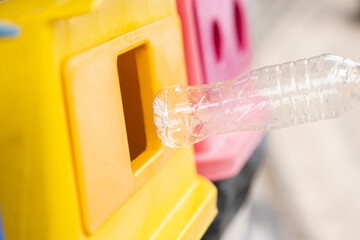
217	47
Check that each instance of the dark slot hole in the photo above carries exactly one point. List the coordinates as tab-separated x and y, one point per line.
239	25
217	41
131	99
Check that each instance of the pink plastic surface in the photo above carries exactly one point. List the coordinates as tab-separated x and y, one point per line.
223	38
217	47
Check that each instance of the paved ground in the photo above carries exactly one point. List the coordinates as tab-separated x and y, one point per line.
309	184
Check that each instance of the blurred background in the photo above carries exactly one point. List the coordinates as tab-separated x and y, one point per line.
308	185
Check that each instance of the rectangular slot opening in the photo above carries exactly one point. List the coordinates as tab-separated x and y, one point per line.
132	105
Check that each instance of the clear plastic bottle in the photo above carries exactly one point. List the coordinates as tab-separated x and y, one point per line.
271	97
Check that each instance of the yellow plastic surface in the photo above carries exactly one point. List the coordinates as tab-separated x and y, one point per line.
65	165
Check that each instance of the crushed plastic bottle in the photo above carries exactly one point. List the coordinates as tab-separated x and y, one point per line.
271	97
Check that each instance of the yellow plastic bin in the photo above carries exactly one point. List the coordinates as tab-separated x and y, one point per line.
79	155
